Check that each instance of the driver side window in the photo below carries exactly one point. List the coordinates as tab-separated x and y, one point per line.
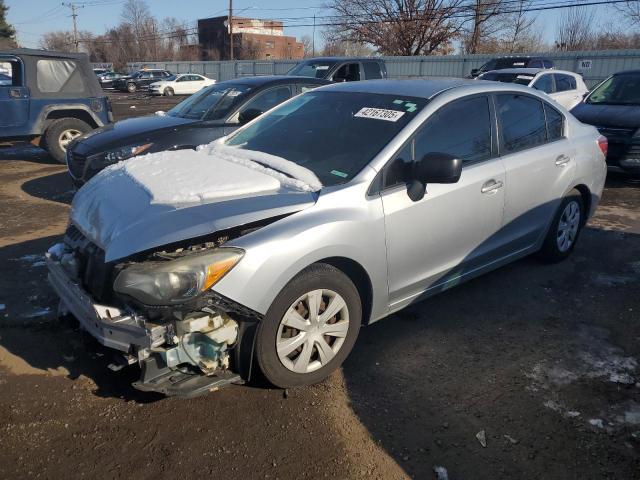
452	130
349	72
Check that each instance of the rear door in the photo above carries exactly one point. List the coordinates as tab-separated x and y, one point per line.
539	164
372	70
14	98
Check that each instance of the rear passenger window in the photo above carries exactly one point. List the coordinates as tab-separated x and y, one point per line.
565	82
371	70
522	122
555	123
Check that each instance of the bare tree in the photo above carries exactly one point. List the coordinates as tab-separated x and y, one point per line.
520	32
485	23
398	27
59	41
307	45
630	10
575	29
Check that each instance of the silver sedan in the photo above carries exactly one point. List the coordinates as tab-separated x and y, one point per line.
379	194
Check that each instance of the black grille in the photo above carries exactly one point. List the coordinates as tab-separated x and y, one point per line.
95	274
76	164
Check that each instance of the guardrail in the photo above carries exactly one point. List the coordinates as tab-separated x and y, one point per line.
594	66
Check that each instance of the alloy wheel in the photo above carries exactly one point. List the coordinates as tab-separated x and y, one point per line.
312	331
568	226
67	136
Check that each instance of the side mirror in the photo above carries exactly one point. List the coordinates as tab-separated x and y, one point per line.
475	72
247	115
434	167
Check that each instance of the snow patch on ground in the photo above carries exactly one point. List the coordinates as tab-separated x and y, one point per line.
36	260
594	359
57	250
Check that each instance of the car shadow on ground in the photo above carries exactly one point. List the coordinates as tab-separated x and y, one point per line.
56	187
427	380
26	152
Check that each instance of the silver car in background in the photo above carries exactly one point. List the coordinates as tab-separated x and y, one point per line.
343	205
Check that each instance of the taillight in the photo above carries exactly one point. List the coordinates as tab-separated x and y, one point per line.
603	143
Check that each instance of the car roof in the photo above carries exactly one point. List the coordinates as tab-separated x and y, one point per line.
522	71
34	52
624	72
275	79
531	71
421	88
339	59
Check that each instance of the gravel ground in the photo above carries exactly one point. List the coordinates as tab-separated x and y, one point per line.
538	360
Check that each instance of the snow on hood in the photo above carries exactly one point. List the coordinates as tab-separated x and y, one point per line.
160	198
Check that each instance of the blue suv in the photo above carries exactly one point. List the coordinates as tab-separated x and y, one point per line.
50	99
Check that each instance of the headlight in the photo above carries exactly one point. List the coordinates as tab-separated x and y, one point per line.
122	153
176	281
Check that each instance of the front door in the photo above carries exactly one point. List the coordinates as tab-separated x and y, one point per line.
434	242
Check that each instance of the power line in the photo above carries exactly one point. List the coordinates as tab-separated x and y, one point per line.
357	19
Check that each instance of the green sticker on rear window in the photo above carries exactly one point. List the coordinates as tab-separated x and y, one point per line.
339	174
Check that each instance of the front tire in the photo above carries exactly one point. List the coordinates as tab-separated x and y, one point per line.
310	328
61	133
168	92
131	87
565	229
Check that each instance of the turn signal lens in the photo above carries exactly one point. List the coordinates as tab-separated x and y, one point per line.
216	271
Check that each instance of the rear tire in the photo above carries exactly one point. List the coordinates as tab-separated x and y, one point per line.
168	92
60	133
323	342
131	87
565	228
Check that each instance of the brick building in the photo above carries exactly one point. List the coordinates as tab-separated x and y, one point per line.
252	38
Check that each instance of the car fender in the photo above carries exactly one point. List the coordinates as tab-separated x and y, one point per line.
336	226
42	120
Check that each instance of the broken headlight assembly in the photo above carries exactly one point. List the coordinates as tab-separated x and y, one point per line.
176	281
118	154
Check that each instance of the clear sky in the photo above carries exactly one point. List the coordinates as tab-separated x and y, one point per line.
32	18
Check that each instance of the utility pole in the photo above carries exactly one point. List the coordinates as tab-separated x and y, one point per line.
230	21
74	15
313	40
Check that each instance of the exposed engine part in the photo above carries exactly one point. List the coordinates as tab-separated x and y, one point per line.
202	340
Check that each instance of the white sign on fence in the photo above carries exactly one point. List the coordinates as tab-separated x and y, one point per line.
585	64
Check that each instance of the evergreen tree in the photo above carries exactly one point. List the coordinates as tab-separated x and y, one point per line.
7	32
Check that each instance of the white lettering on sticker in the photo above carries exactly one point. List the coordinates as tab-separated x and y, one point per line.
379	114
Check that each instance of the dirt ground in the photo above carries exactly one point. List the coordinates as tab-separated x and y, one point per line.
541	358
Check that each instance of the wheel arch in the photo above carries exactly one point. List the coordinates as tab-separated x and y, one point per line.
360	278
585	193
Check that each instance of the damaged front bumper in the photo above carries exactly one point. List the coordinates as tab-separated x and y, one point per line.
160	350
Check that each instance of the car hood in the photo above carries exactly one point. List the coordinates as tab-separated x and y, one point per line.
137	130
168	197
627	116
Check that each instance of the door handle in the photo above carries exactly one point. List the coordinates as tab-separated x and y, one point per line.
491	186
562	160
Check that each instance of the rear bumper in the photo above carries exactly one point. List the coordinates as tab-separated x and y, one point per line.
108	325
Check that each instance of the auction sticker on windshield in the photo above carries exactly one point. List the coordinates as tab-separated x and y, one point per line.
379	114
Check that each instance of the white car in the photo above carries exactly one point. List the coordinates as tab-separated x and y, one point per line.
566	88
182	84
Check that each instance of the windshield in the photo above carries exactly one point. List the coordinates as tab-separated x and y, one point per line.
333	134
508	77
312	69
212	103
621	89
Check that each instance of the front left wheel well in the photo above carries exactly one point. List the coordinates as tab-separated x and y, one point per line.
359	276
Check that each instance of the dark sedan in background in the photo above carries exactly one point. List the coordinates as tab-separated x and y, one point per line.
140	80
200	119
613	107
